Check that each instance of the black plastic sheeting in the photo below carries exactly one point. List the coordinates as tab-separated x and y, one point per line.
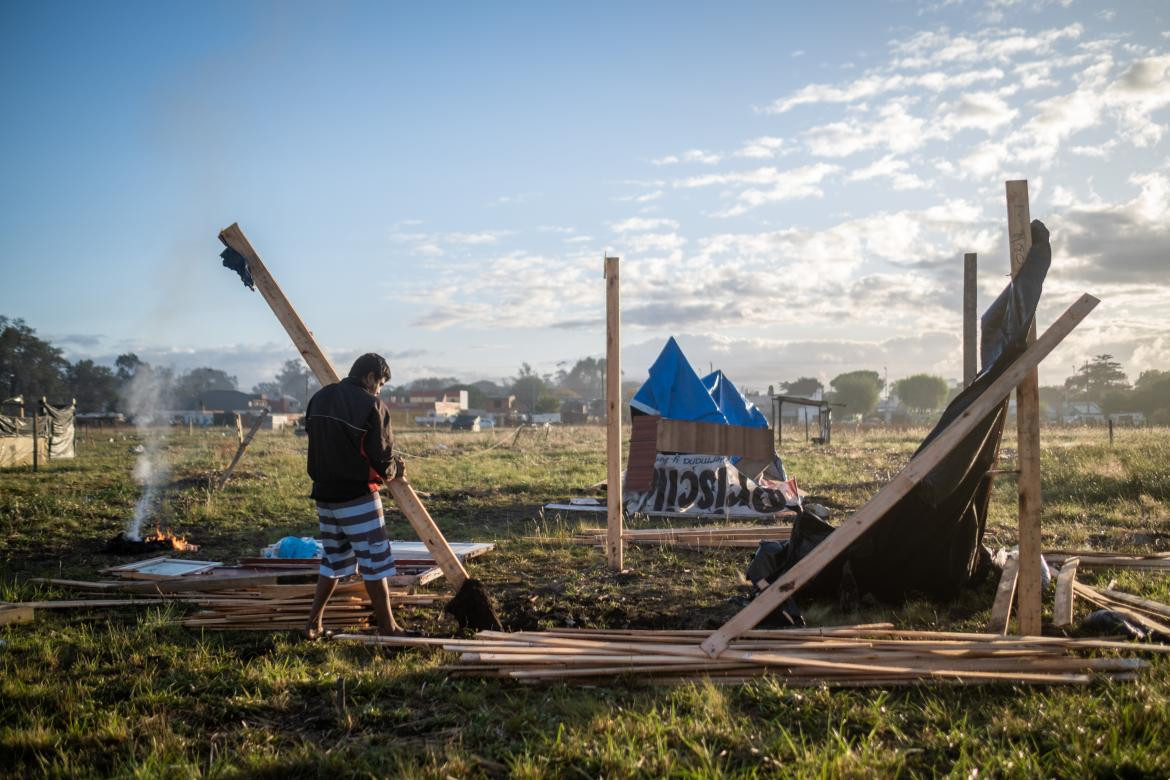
930	542
236	262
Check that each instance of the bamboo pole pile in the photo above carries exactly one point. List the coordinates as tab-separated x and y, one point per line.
851	656
283	607
691	538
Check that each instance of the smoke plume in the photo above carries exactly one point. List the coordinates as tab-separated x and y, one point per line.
143	396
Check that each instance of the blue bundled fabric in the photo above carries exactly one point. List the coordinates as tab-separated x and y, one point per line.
736	409
675	392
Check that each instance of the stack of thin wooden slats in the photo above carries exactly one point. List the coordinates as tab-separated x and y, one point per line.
279	607
1158	561
853	656
692	538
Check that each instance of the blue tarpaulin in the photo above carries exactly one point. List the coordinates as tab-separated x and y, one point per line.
736	409
675	392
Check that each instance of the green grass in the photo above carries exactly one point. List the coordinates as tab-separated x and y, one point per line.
130	693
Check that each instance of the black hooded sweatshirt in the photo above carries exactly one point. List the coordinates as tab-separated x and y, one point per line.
350	441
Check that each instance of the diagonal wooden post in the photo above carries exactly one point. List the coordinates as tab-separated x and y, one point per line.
244	442
400	489
614	545
1029	587
919	466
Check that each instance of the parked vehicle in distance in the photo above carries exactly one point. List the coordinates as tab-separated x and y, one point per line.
466	422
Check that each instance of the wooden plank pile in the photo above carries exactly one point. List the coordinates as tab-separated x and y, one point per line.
691	538
1099	559
849	656
261	608
283	607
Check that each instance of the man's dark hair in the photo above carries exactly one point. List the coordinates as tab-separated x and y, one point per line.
370	363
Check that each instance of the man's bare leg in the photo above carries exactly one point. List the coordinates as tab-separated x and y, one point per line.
380	602
325	588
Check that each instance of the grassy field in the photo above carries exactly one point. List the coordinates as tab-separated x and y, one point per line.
128	692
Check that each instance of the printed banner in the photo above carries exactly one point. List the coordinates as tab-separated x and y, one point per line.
710	485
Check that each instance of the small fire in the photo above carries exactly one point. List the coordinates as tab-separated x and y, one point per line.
176	542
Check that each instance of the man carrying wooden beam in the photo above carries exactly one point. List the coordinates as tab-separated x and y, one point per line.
351	446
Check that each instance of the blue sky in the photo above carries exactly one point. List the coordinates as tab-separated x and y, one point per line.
791	188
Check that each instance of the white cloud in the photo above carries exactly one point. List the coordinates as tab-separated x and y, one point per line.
762	147
689	156
985	111
635	224
894	128
803	182
872	85
645	197
889	167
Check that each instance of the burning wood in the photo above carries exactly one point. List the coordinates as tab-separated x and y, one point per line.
159	541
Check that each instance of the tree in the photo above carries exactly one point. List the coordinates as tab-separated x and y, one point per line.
188	387
29	366
547	404
1151	392
922	392
804	387
476	398
1095	377
586	378
432	384
529	387
857	390
127	365
489	388
95	387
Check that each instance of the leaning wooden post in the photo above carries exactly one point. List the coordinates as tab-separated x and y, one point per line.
852	528
970	337
244	442
614	546
1028	590
400	489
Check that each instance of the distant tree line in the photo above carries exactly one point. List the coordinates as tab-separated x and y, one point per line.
32	368
584	380
1100	380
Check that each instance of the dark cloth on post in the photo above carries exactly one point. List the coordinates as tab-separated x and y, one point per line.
350	441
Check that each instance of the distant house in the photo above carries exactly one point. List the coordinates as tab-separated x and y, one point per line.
574	411
429	406
1128	419
283	404
501	404
227	401
1083	412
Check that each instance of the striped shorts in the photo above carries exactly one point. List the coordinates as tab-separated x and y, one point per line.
353	534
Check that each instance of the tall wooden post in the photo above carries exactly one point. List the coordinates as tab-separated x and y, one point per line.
614	546
970	332
1028	588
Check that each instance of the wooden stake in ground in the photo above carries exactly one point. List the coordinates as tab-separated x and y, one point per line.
1028	590
918	467
970	316
1001	609
1062	608
244	442
614	548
